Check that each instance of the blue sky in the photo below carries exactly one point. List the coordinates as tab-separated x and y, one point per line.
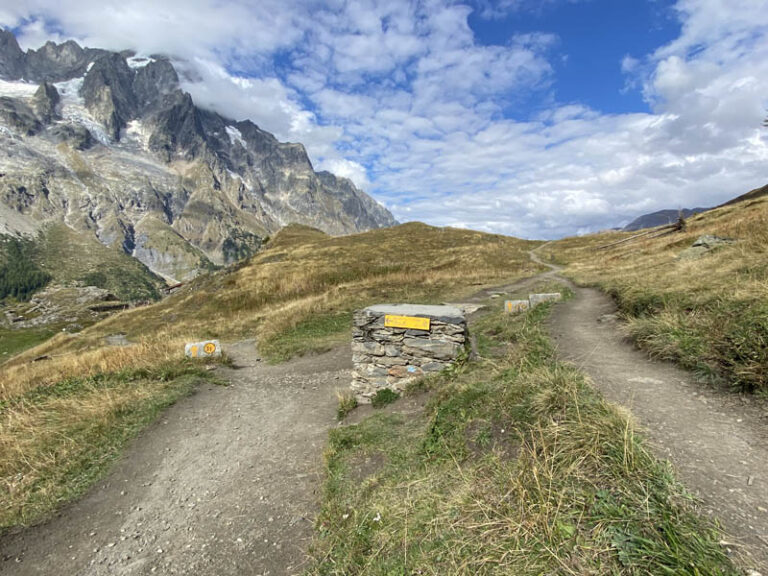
537	119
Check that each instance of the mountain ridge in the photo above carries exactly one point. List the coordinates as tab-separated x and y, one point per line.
109	144
661	218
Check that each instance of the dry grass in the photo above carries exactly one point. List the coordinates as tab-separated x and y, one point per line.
56	440
709	313
302	275
63	419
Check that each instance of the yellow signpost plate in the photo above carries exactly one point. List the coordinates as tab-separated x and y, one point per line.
412	322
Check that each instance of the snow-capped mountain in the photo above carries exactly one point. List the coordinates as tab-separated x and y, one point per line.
110	145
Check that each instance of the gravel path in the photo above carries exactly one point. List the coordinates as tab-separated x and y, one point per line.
717	440
226	483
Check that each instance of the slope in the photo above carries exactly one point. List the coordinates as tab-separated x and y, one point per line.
706	306
293	298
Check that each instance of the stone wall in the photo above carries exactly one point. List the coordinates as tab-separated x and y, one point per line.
390	357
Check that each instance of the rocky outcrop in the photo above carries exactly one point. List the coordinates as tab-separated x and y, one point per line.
12	59
110	144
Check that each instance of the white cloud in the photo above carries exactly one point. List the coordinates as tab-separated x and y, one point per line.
347	169
400	96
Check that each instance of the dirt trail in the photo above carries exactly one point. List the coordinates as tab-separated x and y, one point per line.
717	441
225	483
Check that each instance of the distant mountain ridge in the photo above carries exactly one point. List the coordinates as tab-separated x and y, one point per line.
751	195
661	218
110	145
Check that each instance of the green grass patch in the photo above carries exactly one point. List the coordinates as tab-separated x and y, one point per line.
71	257
347	403
13	342
315	334
384	397
516	466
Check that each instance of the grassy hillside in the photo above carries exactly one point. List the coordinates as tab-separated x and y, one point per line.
294	297
71	257
517	465
707	311
62	258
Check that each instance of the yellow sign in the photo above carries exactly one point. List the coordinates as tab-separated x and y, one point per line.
193	351
412	322
209	348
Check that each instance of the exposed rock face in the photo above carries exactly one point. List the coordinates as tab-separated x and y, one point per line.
12	59
109	144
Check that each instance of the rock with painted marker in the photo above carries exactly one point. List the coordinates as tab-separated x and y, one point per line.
204	349
516	306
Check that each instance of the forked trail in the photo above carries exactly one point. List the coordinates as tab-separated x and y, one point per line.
716	440
226	483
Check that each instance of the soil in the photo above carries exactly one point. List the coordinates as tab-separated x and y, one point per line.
716	440
225	483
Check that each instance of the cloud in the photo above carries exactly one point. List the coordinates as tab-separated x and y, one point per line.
404	99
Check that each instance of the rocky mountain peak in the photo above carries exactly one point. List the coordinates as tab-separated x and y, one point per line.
110	144
11	56
108	93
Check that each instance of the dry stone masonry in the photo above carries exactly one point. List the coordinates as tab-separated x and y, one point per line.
393	344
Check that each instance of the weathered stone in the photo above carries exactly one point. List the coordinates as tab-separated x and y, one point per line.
391	361
711	241
373	371
432	348
458	338
204	349
391	357
434	366
703	245
405	371
516	306
450	329
417	333
368	347
358	358
447	314
536	299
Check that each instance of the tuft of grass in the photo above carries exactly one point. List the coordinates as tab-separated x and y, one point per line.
347	403
517	466
384	397
709	313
